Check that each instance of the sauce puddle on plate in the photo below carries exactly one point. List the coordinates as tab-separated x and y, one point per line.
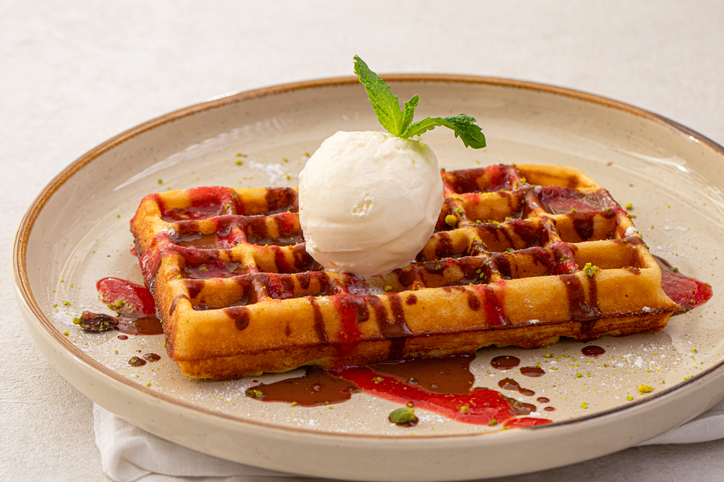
443	386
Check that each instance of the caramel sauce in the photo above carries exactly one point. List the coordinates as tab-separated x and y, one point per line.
316	387
510	384
439	375
504	362
592	351
532	371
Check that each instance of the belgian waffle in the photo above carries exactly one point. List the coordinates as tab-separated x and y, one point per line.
521	255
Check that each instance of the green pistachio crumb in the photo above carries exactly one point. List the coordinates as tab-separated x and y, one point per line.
492	422
629	398
402	416
387	288
160	181
584	405
590	270
252	393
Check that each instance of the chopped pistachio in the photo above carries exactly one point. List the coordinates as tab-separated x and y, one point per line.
253	393
590	270
402	416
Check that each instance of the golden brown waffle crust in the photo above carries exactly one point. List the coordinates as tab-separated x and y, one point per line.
521	255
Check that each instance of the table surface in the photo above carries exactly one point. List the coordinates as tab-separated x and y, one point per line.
77	73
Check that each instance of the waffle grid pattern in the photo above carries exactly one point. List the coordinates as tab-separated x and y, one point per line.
521	255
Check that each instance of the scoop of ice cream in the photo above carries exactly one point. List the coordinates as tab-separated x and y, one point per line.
369	201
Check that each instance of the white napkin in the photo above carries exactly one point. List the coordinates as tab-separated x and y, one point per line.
131	454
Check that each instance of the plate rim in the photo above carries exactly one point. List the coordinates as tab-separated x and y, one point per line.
25	294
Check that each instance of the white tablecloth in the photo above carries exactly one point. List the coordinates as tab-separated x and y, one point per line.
130	454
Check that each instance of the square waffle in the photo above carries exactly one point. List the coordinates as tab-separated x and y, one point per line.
521	255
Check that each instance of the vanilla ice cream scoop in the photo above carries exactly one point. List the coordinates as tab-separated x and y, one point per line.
369	201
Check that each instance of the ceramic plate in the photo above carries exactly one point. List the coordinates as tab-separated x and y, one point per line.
76	232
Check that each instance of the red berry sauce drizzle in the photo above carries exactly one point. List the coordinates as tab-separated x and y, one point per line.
687	292
134	305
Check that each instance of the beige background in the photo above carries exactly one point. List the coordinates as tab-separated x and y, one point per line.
74	74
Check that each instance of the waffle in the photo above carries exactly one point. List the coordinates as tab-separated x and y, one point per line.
521	255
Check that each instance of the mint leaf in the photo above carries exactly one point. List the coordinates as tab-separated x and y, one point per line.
408	113
398	122
385	104
463	125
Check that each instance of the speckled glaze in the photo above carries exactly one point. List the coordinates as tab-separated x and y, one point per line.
76	232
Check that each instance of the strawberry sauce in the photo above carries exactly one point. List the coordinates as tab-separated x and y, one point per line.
134	305
687	292
132	298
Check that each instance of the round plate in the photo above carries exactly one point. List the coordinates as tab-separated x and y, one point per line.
76	232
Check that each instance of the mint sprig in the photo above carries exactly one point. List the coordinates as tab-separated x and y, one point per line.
398	122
